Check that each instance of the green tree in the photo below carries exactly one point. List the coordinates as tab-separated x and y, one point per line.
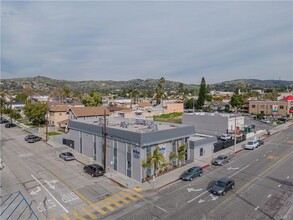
181	88
182	154
66	91
202	94
188	104
172	157
15	114
157	159
145	165
94	99
237	101
35	112
20	97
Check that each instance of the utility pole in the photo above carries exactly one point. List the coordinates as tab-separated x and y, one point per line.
105	143
47	130
235	132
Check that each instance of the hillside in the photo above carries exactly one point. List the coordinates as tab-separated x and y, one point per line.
44	85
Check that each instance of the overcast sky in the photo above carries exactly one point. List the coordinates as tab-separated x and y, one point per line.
181	41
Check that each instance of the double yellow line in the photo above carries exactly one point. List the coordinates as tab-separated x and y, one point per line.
212	212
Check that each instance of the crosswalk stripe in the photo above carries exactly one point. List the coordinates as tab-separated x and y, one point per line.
121	199
65	217
137	189
101	211
129	196
137	194
114	202
88	212
77	215
106	205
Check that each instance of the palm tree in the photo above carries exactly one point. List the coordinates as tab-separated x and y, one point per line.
172	157
157	159
182	153
145	164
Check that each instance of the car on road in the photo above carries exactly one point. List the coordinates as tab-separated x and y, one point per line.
220	160
265	120
29	136
226	137
251	145
221	186
94	170
3	121
34	139
66	156
191	173
10	125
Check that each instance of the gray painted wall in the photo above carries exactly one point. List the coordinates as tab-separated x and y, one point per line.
202	123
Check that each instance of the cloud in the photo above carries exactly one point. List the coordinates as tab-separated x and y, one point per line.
181	41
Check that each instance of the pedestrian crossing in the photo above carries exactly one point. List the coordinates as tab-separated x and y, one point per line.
103	207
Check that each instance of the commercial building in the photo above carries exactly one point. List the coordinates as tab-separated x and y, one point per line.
279	108
213	123
128	142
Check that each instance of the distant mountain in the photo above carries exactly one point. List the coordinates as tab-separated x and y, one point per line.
44	85
252	84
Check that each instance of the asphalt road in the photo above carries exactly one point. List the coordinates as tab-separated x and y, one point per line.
264	186
53	187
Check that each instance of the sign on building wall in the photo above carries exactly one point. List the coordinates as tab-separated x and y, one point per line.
136	153
275	108
163	151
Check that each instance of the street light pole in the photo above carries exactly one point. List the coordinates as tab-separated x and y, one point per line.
105	142
235	132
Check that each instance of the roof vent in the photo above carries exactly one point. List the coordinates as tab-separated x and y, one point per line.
124	124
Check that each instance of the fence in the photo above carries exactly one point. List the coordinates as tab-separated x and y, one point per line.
220	145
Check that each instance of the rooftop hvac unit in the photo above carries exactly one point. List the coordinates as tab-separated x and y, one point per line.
124	124
139	121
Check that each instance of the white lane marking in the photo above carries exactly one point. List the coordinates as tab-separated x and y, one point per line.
50	193
257	159
198	196
35	192
49	183
238	171
210	188
256	208
288	177
232	168
164	210
269	195
201	200
194	190
214	197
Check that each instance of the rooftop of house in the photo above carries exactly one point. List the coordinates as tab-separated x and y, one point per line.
89	111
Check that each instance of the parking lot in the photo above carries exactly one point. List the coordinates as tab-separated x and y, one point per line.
53	186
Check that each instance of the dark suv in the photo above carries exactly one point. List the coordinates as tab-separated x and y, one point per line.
10	125
221	186
94	170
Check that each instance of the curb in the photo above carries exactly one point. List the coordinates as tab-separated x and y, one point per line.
205	166
238	151
120	184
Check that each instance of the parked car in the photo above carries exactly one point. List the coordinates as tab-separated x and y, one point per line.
221	186
260	142
3	121
34	139
265	120
94	170
220	160
10	125
226	137
191	173
66	156
251	145
282	120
